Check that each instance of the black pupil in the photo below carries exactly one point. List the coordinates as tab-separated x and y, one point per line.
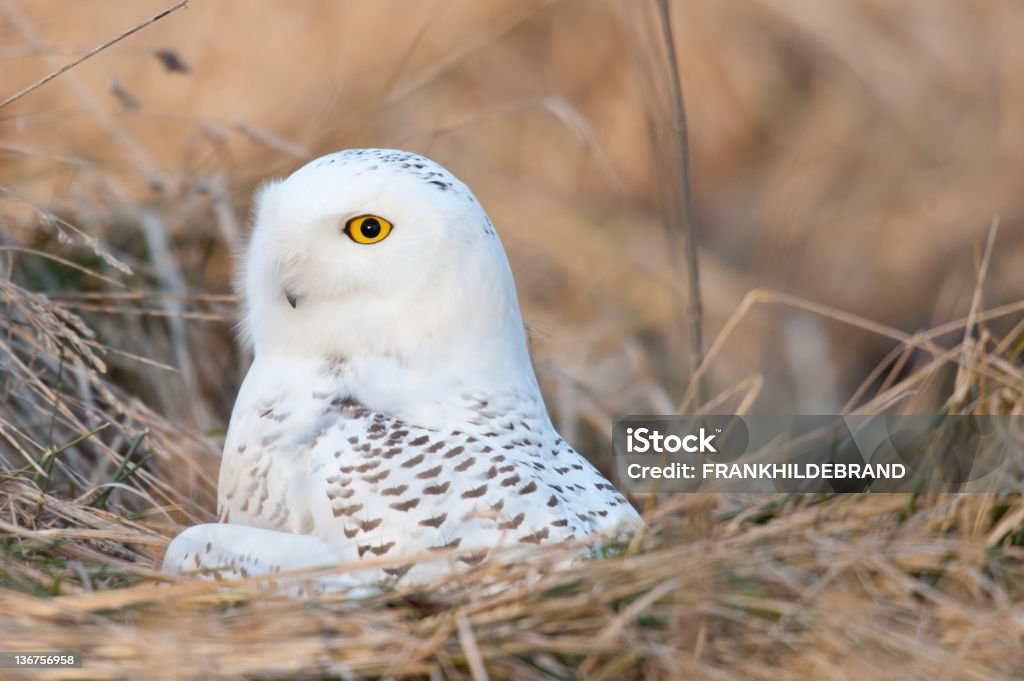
370	228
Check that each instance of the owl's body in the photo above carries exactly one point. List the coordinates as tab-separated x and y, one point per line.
391	408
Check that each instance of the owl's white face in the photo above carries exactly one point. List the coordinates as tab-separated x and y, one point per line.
373	253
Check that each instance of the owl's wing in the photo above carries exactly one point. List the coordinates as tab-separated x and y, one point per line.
506	480
341	482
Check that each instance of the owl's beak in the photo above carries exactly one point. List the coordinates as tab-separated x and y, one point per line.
292	300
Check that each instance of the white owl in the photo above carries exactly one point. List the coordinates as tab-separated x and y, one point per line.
391	407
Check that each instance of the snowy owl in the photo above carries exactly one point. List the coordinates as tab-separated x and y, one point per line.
391	407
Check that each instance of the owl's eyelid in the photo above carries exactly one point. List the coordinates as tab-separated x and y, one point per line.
352	217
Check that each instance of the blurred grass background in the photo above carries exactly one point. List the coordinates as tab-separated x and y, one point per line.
853	153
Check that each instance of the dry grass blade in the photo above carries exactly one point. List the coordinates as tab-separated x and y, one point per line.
468	642
962	381
695	308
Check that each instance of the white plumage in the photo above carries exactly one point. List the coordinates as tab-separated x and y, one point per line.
391	407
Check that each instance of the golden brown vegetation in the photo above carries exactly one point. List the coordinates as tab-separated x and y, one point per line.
850	155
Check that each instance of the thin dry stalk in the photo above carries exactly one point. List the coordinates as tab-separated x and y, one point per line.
117	132
689	227
962	382
91	53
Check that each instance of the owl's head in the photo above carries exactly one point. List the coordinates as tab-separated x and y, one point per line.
379	253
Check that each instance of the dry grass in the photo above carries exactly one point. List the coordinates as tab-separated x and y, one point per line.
854	588
847	157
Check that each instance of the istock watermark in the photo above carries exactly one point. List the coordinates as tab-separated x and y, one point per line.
643	440
814	454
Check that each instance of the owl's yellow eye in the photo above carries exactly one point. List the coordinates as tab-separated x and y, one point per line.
367	229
